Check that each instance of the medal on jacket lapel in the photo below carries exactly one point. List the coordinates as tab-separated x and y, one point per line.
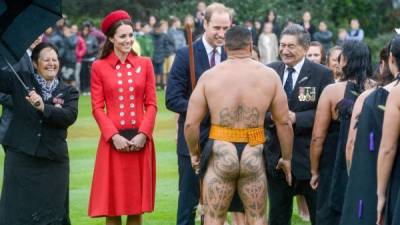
301	96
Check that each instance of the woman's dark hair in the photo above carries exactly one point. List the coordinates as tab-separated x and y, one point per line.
358	62
82	28
275	23
395	49
385	76
36	51
267	15
321	49
108	46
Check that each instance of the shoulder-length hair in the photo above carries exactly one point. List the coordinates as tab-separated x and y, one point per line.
358	62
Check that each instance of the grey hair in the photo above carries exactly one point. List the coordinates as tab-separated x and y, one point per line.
303	37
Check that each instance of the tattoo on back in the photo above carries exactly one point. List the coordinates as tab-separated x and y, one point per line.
248	115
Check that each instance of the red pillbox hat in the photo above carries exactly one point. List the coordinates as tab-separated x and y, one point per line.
112	18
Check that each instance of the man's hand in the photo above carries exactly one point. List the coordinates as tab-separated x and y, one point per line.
380	210
314	182
195	159
285	165
292	117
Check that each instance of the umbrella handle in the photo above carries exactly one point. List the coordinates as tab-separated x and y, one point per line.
37	103
19	79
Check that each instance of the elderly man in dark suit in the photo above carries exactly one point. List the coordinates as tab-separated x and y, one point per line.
303	82
24	65
208	52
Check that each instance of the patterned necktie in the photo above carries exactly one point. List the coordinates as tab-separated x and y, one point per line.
212	60
289	82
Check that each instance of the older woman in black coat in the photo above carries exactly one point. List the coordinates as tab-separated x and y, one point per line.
36	167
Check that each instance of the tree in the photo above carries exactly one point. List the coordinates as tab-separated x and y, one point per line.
375	15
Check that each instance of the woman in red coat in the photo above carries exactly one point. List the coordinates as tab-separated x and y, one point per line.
124	106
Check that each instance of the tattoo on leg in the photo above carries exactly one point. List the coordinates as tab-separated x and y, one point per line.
220	180
219	194
224	161
248	115
252	183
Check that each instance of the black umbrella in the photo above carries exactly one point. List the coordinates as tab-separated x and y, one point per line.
21	22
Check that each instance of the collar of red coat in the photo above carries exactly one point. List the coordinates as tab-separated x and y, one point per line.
114	60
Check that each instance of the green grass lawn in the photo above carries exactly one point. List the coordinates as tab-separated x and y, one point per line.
82	139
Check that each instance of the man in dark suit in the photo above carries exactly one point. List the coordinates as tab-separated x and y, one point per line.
208	52
303	82
24	65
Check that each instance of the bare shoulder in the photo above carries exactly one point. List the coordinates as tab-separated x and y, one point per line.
269	72
334	92
205	76
360	100
366	93
396	90
332	88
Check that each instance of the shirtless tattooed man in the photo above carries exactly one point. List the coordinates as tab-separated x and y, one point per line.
237	93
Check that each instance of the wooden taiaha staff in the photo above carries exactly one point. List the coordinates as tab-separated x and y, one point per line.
193	82
191	56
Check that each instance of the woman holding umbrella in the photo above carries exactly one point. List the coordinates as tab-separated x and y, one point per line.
124	106
36	167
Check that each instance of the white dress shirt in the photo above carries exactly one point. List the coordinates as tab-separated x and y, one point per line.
295	74
209	50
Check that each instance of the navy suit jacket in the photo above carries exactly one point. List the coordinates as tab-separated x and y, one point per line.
179	89
313	78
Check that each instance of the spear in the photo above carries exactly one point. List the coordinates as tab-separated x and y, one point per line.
193	82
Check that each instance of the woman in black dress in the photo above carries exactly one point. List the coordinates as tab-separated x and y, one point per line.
388	166
331	125
36	167
362	149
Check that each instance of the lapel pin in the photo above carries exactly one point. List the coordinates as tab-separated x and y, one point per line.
303	79
138	69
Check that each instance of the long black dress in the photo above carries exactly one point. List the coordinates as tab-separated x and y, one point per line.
339	176
325	214
360	201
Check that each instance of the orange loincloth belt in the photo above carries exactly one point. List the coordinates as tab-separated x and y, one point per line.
252	136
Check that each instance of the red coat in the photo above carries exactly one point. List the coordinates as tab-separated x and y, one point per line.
80	49
123	96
